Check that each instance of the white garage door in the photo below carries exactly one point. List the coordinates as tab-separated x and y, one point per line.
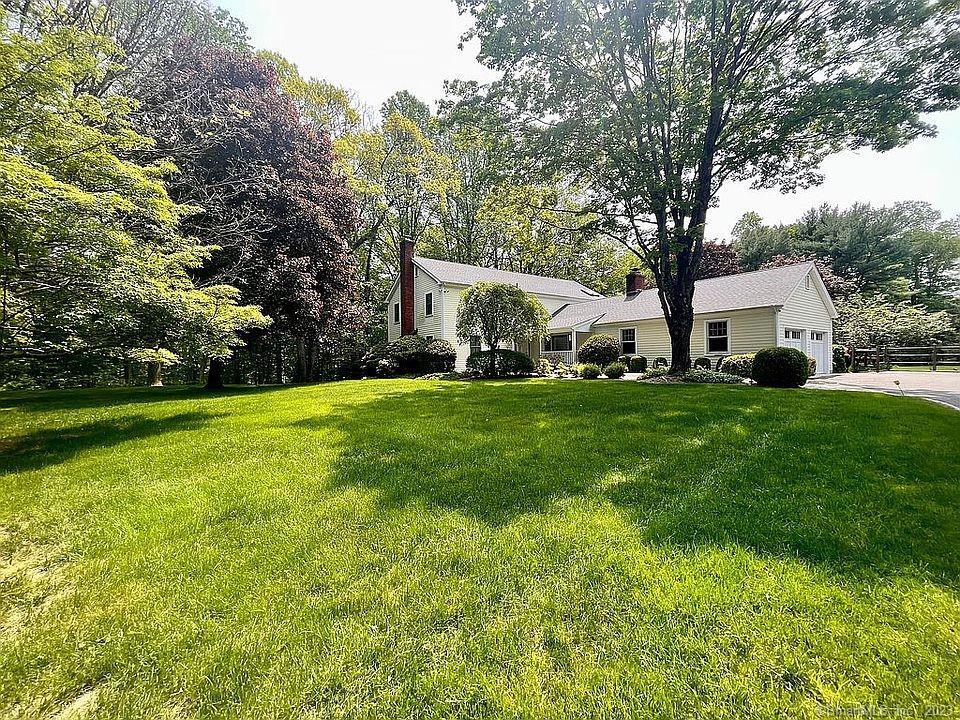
794	339
818	351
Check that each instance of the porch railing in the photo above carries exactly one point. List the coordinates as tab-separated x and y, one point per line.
556	356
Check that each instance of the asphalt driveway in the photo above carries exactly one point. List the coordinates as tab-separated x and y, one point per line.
943	387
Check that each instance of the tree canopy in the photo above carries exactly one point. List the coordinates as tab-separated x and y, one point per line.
657	105
93	260
499	313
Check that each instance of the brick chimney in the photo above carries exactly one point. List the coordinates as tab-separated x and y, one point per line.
636	281
406	288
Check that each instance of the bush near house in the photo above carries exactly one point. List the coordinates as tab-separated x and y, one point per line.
506	362
589	371
703	363
440	356
811	366
741	365
600	350
615	370
637	364
660	362
780	367
410	355
700	375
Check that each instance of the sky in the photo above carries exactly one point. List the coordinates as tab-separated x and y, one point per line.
376	47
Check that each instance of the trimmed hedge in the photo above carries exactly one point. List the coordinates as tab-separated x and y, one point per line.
440	356
780	367
589	371
599	350
615	370
703	363
638	364
410	355
741	365
660	362
508	362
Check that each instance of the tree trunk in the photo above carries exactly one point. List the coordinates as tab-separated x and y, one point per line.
154	371
680	329
214	375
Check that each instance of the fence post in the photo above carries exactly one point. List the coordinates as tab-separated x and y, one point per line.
933	357
876	358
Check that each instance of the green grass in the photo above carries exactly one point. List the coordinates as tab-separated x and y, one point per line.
530	549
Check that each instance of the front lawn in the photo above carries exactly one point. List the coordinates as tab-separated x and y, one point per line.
518	549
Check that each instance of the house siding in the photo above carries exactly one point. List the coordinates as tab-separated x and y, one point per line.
749	330
805	310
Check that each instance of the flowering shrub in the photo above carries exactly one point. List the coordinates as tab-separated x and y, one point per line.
699	375
741	365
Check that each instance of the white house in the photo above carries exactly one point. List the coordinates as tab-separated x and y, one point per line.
734	314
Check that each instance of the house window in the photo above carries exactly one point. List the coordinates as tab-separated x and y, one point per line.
816	336
428	304
396	312
628	341
474	344
718	336
558	343
792	334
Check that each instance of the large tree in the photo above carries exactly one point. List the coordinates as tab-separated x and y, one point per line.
657	104
269	197
93	268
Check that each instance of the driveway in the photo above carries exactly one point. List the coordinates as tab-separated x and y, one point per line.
942	387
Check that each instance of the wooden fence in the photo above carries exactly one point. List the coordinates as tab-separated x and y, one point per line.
883	358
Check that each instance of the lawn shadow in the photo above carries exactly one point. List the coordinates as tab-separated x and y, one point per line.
779	472
50	446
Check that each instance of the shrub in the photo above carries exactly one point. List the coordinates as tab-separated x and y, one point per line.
600	350
385	367
660	362
653	373
409	352
699	375
638	364
564	370
544	367
811	366
508	362
841	359
589	371
741	365
439	356
615	370
703	363
780	367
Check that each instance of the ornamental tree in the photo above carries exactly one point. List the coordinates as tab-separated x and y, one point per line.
655	105
500	313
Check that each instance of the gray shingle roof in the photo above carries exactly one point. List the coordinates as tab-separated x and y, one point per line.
459	274
762	288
